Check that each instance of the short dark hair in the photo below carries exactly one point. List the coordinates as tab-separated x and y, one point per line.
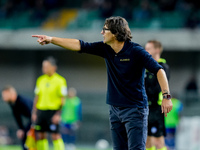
119	27
157	44
8	87
52	60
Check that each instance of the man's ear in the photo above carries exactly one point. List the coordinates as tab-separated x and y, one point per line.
158	50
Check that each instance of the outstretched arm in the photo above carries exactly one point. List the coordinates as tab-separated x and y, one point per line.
162	79
34	110
70	44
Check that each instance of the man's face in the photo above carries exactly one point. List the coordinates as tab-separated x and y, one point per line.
151	49
7	95
47	68
108	37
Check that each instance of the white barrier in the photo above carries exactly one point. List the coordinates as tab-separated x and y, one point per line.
188	134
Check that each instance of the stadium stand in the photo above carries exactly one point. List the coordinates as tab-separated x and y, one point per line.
51	14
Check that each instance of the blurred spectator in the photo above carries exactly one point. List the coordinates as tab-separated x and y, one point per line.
6	10
107	8
91	4
191	90
53	4
166	5
144	12
171	123
192	85
71	117
4	136
194	3
39	11
193	20
125	9
11	7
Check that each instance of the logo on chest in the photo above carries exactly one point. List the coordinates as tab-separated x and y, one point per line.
47	84
125	59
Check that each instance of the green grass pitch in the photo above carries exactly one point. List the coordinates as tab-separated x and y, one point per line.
19	148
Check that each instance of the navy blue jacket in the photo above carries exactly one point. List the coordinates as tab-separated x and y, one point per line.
22	107
125	71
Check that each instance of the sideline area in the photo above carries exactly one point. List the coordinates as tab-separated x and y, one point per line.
16	147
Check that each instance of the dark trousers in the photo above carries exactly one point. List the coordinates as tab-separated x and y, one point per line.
128	127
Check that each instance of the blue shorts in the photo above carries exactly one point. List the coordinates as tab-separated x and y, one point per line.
128	127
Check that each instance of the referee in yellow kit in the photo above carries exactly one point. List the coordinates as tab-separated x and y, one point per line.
50	91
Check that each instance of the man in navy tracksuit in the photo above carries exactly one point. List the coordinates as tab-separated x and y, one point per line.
21	107
126	62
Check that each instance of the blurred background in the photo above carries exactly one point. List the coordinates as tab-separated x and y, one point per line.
176	23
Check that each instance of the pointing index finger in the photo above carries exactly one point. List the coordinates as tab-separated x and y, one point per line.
165	114
36	36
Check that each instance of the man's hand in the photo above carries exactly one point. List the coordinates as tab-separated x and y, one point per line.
56	119
43	39
34	117
166	106
20	133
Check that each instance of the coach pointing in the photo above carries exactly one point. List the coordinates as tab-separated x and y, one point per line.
126	62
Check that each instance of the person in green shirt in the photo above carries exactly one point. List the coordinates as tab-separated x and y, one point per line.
50	91
171	123
71	117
